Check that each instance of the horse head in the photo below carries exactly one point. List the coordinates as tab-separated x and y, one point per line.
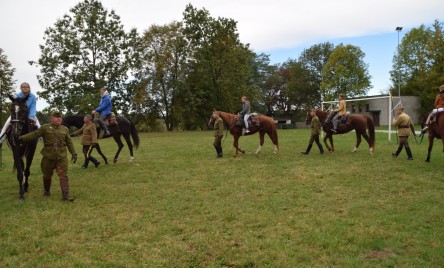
19	114
212	119
308	118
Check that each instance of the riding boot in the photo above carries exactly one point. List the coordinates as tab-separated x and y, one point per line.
94	160
409	153
321	149
85	164
105	127
220	153
398	151
308	149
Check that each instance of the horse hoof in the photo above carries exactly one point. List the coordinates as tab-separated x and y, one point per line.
427	160
243	152
131	159
115	161
21	199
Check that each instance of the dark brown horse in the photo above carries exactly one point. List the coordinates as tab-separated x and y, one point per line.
20	125
124	127
436	130
357	122
266	125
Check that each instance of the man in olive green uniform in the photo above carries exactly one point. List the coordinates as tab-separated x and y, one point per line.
56	141
405	129
315	131
218	134
89	140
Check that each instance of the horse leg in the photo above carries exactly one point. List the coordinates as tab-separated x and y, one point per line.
429	150
120	144
27	172
19	166
236	146
358	141
130	145
101	154
261	142
327	136
367	139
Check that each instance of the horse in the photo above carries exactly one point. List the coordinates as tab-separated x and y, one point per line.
21	125
435	130
359	123
266	125
122	127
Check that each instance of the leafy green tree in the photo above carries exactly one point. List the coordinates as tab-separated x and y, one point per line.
6	82
345	72
313	60
85	50
220	66
420	64
6	77
163	71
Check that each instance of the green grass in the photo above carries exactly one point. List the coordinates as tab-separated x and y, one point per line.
177	205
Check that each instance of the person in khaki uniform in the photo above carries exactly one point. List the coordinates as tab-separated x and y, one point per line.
218	134
405	129
56	143
89	140
315	131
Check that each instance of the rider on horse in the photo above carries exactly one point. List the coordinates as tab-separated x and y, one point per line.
30	103
439	107
104	109
245	113
339	112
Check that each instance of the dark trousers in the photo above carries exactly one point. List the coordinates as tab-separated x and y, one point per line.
218	144
61	167
87	150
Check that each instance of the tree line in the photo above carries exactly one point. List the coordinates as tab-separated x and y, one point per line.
179	72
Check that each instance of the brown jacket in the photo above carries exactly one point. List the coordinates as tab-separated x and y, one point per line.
404	124
89	134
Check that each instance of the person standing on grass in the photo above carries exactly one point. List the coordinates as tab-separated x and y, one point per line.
56	140
315	131
89	140
405	129
218	134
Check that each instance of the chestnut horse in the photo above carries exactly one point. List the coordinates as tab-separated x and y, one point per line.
436	130
266	125
359	123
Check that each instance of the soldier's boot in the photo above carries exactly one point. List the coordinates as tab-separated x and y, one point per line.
95	161
321	149
409	153
64	184
308	149
85	164
220	152
46	187
397	151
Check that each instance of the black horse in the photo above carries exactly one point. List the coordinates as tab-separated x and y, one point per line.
121	126
20	125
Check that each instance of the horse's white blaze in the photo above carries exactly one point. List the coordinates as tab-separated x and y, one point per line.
259	149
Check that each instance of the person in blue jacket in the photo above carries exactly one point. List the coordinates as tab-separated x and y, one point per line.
104	108
31	103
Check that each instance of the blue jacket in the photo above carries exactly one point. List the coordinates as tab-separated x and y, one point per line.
105	105
31	103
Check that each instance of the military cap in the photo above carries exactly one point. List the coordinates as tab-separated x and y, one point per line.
56	113
399	108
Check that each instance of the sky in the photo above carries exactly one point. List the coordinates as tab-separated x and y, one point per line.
280	28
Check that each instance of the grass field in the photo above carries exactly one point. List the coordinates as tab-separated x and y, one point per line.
176	205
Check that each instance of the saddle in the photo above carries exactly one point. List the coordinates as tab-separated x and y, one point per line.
253	120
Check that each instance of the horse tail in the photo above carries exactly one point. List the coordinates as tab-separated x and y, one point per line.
134	134
371	130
